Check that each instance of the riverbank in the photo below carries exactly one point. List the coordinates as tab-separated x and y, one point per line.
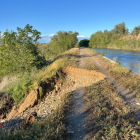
125	49
127	78
128	59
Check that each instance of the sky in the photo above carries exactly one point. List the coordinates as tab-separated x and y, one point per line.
83	16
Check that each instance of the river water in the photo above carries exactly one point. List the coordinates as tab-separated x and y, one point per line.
129	59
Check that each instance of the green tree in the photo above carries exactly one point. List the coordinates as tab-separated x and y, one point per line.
18	52
102	39
120	29
61	42
136	30
84	43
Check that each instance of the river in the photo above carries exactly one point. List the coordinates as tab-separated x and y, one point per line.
129	59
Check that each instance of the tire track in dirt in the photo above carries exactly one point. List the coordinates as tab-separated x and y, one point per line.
128	97
76	117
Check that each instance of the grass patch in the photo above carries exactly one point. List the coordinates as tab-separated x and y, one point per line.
111	118
90	66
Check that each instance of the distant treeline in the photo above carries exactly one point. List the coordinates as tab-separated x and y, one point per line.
118	37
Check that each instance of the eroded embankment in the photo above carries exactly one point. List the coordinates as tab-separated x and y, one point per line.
63	81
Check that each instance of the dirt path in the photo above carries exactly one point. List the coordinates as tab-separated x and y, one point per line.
127	96
77	114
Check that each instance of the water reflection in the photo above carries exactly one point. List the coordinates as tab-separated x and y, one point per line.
129	59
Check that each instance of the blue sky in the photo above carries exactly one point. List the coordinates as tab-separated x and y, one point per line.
84	16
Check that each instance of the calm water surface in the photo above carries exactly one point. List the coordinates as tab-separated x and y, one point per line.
129	59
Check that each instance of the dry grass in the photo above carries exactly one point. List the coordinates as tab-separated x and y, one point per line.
109	118
6	80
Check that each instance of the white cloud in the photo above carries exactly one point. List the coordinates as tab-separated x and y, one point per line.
82	36
45	38
50	35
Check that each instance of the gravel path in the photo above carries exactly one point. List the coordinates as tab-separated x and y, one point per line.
128	97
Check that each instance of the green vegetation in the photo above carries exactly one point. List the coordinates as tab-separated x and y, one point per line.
25	83
23	57
54	125
60	43
18	51
119	37
136	30
127	44
84	43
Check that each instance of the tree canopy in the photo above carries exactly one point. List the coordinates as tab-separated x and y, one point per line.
18	51
136	30
62	42
84	43
102	39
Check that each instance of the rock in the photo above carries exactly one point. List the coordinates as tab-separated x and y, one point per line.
30	100
29	120
56	87
71	132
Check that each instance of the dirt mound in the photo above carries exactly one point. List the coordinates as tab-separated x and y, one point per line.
82	76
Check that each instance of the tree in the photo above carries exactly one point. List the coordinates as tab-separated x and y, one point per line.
136	30
18	51
120	29
62	42
102	39
84	43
